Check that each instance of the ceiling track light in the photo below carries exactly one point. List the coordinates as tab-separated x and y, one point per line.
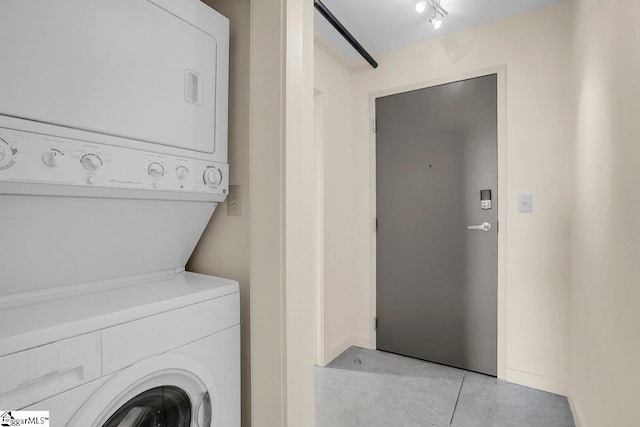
436	5
438	12
435	21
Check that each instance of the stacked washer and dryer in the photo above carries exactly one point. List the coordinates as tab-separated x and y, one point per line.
113	157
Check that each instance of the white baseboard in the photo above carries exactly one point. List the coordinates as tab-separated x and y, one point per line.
577	418
540	382
340	348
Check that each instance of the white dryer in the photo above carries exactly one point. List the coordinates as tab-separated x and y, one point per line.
113	158
159	350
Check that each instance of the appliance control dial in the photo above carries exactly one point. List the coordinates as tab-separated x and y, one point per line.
212	176
182	172
52	158
7	154
156	170
91	162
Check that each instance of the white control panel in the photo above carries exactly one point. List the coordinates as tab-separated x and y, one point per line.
36	158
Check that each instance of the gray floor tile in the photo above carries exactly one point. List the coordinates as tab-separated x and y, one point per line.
489	402
348	398
380	362
377	389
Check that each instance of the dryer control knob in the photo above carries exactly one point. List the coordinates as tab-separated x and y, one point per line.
182	172
52	158
212	176
7	155
156	170
91	162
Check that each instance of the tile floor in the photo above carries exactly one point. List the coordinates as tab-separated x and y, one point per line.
377	389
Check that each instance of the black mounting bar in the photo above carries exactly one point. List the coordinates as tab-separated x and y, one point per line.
344	32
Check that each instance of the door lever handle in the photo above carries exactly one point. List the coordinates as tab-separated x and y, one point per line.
485	226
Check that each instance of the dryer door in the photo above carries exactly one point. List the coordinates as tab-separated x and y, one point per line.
163	391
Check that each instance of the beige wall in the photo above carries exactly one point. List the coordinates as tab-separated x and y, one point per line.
281	244
535	48
333	92
606	240
270	154
223	249
299	208
268	364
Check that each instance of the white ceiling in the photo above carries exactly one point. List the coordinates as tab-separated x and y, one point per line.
384	25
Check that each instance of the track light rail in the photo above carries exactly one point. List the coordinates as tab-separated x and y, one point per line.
326	13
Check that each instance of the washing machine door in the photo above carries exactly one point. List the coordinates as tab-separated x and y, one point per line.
163	406
162	391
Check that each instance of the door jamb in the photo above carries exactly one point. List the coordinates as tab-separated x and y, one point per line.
501	72
318	224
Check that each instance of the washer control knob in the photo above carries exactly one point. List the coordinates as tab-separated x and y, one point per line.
52	158
156	170
7	155
182	172
91	179
212	176
91	162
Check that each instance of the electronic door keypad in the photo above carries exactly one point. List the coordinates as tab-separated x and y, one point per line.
485	199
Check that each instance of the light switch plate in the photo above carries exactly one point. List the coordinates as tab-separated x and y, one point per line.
234	201
525	203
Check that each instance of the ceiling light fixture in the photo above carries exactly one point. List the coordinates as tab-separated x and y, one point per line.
438	12
435	21
421	6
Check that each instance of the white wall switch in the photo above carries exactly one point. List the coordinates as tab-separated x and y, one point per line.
234	201
525	203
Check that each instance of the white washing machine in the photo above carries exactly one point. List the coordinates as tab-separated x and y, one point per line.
158	350
113	158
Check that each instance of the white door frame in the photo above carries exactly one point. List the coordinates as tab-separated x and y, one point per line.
501	72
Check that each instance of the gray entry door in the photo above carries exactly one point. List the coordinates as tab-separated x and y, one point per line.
436	150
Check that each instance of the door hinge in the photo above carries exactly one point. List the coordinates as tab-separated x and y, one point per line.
375	125
375	323
375	225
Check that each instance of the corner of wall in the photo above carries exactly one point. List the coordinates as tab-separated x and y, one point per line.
539	382
322	44
343	346
575	411
332	77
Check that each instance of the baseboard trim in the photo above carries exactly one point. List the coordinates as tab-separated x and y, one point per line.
340	348
577	418
539	382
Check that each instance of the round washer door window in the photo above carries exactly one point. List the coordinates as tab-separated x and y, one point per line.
170	390
165	406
